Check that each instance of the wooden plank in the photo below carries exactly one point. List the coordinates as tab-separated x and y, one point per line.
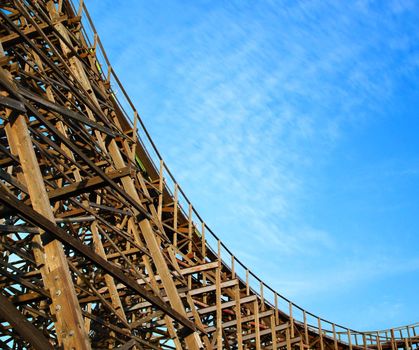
199	268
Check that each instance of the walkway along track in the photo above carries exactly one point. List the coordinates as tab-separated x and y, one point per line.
99	246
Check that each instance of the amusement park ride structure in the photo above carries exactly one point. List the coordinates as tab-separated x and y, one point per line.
99	246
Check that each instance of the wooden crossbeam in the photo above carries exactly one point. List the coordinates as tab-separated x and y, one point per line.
234	323
227	304
85	186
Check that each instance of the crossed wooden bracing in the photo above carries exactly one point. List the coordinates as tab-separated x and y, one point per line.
99	246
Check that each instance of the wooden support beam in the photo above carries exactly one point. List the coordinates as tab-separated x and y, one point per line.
238	318
273	332
257	324
110	283
168	284
56	273
319	327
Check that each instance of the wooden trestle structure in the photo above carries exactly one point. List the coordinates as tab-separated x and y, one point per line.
99	246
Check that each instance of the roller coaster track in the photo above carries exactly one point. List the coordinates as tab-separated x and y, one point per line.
99	246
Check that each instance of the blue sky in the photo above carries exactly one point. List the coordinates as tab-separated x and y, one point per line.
293	128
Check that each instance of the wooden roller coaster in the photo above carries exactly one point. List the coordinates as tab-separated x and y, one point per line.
99	246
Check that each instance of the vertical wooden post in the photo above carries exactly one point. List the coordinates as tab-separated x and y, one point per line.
233	273
134	131
219	319
134	136
408	336
262	297
305	327
291	320
319	323
204	255
160	206
238	317
80	10
257	323
393	343
335	341
204	243
288	338
349	339
247	282
175	213
190	229
378	342
273	332
55	274
276	308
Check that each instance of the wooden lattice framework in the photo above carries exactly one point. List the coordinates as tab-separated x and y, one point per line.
99	246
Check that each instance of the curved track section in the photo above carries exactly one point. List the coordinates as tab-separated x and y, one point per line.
99	246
